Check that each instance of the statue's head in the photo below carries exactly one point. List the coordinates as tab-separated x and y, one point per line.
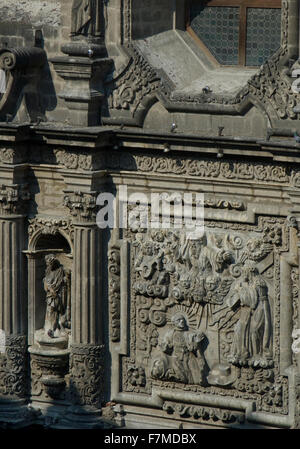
148	249
158	368
50	260
196	245
179	321
250	269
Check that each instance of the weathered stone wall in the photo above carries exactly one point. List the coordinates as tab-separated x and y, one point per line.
19	20
151	17
179	332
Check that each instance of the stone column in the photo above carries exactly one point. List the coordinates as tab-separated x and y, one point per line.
13	315
86	365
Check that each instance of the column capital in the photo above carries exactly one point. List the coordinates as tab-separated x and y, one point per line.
82	206
13	199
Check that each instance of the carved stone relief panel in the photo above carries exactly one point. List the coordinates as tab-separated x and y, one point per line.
204	315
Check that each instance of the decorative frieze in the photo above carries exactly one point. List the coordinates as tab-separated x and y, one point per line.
204	414
82	161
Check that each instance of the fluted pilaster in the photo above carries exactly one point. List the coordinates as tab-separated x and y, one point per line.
86	310
12	316
87	365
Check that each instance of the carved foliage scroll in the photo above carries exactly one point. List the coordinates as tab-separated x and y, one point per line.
114	292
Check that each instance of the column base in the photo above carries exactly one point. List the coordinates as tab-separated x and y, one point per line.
84	417
15	414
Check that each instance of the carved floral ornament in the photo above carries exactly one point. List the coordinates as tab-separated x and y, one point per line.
205	168
204	313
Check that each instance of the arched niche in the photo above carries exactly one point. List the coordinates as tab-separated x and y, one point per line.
40	245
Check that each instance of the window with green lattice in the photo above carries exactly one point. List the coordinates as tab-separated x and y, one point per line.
236	32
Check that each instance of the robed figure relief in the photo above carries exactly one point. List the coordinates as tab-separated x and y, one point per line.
182	357
252	333
57	288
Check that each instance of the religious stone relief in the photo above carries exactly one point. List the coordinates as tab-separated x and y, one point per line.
204	312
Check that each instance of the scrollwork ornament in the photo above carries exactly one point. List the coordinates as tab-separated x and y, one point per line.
86	375
114	292
13	368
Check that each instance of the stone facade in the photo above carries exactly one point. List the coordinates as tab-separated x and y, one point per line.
136	326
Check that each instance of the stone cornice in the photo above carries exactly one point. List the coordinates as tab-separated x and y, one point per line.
276	146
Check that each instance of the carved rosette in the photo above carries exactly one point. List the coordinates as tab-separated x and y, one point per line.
114	292
82	206
14	368
86	375
13	199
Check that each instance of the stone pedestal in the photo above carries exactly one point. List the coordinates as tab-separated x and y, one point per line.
84	72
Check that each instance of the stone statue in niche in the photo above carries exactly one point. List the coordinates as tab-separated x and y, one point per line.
181	358
252	333
81	17
57	288
86	18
